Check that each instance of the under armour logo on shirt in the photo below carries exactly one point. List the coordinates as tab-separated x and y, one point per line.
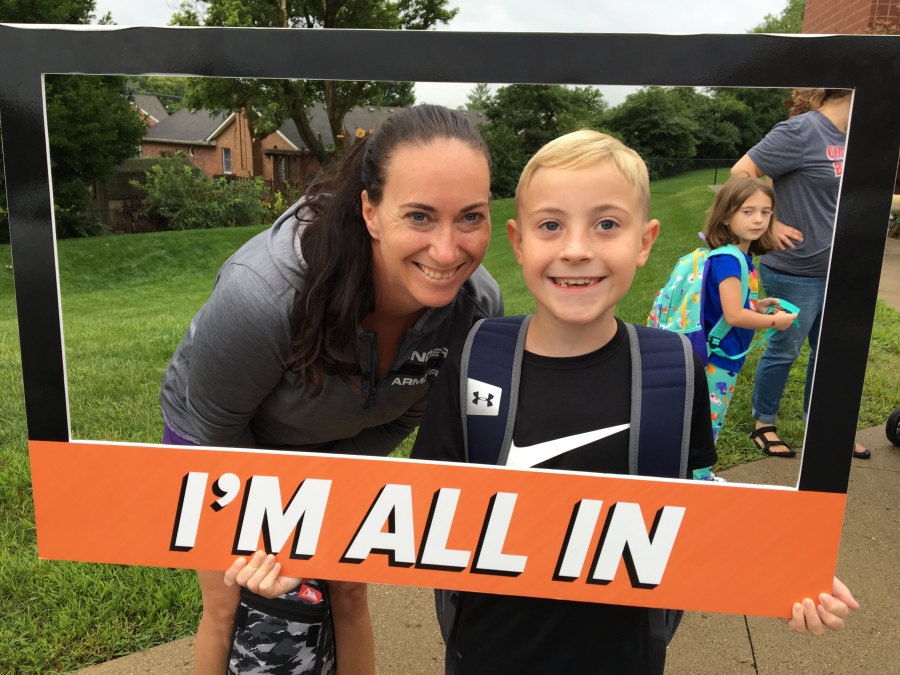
482	398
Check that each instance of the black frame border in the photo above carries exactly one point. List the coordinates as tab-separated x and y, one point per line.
868	64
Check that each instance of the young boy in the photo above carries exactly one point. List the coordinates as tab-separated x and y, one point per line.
580	233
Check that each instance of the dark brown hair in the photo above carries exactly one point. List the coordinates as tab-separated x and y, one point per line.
729	199
339	289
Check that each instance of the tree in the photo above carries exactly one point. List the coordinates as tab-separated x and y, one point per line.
268	103
718	118
479	98
47	11
765	109
92	127
524	117
92	124
789	21
658	124
390	95
37	11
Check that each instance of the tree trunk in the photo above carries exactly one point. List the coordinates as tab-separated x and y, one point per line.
256	153
336	109
313	142
256	156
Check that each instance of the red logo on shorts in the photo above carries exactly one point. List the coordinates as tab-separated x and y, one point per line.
309	593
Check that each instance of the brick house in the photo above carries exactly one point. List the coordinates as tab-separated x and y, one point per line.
221	144
150	109
848	16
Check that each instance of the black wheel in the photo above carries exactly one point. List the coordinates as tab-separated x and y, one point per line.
893	427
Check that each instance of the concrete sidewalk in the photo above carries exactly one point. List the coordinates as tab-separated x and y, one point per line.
717	644
408	642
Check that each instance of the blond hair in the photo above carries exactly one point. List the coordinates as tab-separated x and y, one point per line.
728	201
585	148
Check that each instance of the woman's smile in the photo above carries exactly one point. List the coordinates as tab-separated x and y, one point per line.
437	274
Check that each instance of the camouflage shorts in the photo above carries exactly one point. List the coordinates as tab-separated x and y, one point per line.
288	635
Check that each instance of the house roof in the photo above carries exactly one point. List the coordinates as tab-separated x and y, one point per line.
201	128
186	126
366	118
150	105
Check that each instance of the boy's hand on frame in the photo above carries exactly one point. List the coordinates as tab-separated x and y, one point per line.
260	574
834	608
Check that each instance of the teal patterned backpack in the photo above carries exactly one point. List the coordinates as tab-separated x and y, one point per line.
677	306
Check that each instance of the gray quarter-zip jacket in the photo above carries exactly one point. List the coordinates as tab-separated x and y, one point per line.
227	384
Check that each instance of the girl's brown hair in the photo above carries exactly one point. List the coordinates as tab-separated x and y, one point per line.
730	198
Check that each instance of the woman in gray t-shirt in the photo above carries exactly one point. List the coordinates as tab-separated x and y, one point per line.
803	158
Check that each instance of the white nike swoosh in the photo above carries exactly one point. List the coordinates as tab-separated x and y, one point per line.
532	455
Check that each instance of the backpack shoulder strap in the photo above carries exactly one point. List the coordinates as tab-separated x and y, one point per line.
489	394
489	387
662	400
737	254
722	328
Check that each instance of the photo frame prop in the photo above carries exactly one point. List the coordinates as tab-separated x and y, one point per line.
140	504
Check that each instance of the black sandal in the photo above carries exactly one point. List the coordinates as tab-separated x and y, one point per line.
758	433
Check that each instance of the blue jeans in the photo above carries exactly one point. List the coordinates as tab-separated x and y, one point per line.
808	293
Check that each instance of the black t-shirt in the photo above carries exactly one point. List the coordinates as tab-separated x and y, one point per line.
558	397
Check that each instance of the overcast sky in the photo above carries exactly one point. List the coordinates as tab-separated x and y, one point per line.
626	16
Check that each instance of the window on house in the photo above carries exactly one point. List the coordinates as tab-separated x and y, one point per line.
226	160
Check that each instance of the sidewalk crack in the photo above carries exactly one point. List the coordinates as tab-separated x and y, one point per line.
752	651
876	468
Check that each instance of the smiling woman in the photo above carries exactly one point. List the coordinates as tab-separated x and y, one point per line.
324	334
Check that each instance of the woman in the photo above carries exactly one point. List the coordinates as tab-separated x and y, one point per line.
803	157
325	332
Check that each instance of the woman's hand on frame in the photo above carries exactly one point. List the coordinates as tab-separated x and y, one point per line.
260	574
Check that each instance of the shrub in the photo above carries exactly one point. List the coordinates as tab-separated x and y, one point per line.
73	222
276	202
187	200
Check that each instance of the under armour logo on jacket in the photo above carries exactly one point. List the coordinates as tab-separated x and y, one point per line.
482	398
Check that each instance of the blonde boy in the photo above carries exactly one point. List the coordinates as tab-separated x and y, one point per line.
580	233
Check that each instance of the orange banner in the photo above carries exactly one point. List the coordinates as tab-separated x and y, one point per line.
597	538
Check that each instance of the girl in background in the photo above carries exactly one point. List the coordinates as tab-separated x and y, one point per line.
740	216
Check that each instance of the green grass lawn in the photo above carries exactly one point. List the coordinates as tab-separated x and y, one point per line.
127	301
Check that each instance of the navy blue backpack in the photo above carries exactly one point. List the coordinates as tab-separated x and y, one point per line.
662	395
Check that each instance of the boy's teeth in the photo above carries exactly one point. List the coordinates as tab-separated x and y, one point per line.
434	274
582	281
